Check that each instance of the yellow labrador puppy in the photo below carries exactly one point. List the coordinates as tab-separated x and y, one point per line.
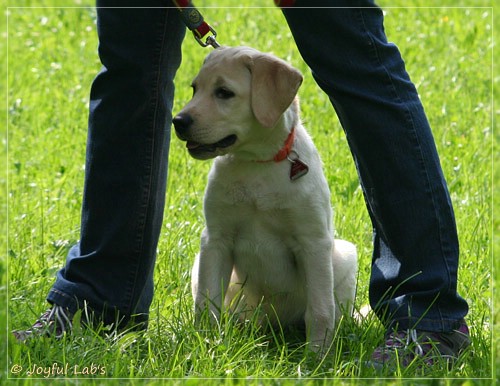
268	242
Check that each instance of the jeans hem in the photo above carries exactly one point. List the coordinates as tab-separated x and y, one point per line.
434	325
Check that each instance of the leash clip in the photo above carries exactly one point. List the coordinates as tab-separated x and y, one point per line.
196	24
210	41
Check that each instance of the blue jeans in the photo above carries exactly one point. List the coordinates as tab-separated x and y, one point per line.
415	259
111	268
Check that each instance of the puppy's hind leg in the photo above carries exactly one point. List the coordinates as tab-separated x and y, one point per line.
345	268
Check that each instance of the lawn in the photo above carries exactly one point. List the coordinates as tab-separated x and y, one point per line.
51	55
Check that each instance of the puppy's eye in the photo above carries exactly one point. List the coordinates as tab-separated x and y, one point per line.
223	93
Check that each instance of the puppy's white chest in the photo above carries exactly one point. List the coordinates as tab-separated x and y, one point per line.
254	196
271	190
256	214
263	254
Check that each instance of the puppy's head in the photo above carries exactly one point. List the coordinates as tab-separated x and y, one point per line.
238	94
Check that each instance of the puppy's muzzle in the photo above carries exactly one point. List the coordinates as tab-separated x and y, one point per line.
183	128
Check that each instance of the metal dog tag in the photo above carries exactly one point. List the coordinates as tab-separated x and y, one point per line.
298	169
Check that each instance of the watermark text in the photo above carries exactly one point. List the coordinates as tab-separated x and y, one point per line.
58	370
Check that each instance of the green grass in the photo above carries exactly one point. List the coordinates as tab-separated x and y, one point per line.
51	63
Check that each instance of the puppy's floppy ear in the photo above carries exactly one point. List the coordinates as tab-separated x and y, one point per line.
274	86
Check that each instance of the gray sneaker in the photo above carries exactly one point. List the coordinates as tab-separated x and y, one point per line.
56	322
405	347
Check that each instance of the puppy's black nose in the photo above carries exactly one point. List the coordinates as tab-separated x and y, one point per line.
182	122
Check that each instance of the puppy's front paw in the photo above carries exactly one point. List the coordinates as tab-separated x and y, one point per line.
320	341
317	351
208	314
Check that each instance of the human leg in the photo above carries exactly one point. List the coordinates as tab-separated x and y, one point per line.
111	268
415	260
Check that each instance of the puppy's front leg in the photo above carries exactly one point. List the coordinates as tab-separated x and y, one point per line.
210	276
320	307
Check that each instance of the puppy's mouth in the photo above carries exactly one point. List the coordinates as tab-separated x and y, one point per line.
198	148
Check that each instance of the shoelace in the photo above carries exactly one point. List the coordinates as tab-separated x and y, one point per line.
405	340
58	316
411	337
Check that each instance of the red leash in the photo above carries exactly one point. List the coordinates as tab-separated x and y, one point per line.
200	28
195	22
